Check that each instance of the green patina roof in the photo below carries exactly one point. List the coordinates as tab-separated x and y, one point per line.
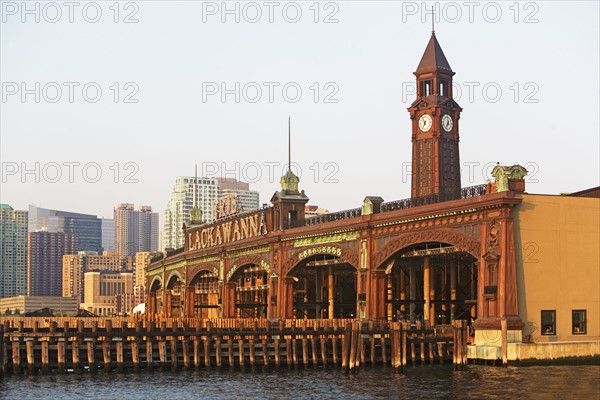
5	207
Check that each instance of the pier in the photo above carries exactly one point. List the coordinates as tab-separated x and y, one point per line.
42	345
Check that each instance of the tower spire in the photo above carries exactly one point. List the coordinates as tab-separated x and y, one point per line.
289	143
432	12
195	201
195	212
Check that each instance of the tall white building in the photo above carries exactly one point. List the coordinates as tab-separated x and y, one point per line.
206	190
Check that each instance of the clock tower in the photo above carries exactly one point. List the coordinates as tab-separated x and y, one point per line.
435	115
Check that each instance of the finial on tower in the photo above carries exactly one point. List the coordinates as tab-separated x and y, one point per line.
432	13
289	143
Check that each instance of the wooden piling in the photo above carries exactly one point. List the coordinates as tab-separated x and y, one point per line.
45	356
404	326
265	353
323	340
30	355
276	347
288	351
504	329
313	349
230	351
174	359
186	353
119	352
218	352
61	350
16	356
162	352
346	345
353	347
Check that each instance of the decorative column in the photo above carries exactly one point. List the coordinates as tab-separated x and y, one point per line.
426	291
431	295
330	292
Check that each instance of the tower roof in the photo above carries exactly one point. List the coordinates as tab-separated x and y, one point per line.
433	58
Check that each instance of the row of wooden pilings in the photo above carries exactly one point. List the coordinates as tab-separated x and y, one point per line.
45	347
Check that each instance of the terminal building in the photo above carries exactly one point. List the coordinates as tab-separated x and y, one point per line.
490	254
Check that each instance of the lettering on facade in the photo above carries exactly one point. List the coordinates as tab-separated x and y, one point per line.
227	232
226	206
320	250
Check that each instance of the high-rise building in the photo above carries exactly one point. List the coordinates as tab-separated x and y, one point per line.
44	264
201	192
88	228
74	266
135	230
13	251
108	234
148	230
142	259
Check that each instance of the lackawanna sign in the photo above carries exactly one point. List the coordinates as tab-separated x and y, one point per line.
245	227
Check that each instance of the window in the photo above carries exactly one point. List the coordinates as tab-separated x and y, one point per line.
548	322
579	321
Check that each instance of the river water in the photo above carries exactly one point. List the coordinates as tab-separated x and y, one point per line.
422	382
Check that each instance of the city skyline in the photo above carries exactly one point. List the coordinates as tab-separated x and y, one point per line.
527	53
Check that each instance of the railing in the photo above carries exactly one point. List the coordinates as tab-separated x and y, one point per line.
467	192
320	219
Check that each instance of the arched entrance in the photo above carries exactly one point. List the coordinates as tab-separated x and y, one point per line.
174	296
205	288
155	297
431	282
324	287
250	287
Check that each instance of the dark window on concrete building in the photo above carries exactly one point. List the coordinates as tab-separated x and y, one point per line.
579	322
548	322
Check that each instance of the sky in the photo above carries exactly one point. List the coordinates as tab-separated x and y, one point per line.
107	102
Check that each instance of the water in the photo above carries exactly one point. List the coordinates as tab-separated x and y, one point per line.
430	382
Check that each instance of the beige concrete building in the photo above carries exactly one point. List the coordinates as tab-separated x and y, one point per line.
108	292
557	254
23	304
76	265
557	240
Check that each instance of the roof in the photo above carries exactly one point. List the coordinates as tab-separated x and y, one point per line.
433	57
592	192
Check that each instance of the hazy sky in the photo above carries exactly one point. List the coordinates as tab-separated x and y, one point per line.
108	102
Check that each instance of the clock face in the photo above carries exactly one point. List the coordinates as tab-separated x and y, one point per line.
425	123
447	122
